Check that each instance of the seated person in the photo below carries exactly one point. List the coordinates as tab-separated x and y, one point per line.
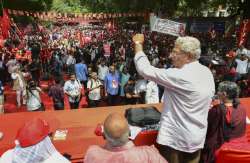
226	120
118	148
33	145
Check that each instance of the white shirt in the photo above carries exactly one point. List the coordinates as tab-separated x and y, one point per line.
1	64
95	94
152	93
70	60
243	51
155	61
140	86
73	88
11	64
187	98
33	100
242	66
15	76
54	158
102	72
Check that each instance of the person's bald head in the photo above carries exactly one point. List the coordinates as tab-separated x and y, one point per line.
116	129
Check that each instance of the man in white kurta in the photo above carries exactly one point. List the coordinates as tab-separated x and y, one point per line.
189	88
152	93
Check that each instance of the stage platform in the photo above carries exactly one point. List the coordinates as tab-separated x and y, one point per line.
80	124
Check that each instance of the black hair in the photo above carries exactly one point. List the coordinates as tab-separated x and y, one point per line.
232	90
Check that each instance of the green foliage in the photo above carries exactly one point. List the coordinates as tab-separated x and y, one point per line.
29	5
167	7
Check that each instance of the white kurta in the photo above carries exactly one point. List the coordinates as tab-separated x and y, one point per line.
187	97
152	93
242	66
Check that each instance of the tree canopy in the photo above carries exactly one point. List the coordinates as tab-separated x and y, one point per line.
166	7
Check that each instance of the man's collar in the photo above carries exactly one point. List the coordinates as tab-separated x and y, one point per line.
127	146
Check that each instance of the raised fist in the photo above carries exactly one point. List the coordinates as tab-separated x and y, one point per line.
138	38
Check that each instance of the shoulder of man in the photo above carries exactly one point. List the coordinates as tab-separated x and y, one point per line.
93	153
7	156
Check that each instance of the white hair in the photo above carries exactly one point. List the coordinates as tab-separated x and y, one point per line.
189	45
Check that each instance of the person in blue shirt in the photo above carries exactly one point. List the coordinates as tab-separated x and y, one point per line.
1	97
111	84
81	72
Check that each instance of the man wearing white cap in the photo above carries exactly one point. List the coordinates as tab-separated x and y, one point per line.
33	145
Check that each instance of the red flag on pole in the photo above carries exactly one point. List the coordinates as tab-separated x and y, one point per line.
244	31
5	24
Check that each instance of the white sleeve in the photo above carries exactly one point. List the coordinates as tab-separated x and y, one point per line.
68	61
25	74
39	89
164	77
7	156
88	84
65	87
14	76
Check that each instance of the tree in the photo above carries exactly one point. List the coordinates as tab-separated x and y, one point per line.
166	7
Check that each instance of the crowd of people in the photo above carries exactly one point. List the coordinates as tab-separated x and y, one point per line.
101	61
118	67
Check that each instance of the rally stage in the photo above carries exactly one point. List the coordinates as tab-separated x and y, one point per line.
82	123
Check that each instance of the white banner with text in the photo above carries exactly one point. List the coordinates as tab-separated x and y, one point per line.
168	27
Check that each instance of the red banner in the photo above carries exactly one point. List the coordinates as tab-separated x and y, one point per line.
244	31
5	24
51	15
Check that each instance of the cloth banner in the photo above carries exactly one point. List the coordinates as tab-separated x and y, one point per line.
73	16
5	24
244	31
168	27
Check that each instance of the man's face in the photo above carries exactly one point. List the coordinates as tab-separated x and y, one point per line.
72	77
242	57
95	76
177	57
130	82
112	69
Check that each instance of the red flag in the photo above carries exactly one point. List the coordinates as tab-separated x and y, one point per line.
81	39
244	30
5	24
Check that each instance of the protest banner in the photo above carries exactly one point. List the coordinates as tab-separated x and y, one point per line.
168	27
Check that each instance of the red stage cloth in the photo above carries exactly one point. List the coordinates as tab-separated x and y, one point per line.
81	125
235	151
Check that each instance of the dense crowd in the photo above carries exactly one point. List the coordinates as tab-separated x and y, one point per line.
99	60
117	66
